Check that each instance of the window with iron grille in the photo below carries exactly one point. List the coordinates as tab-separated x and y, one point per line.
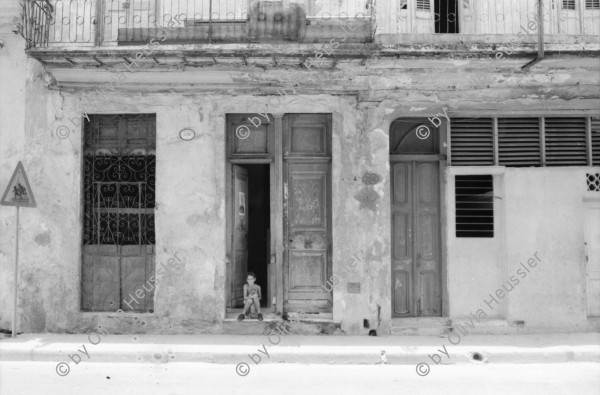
118	223
592	4
474	205
446	16
568	4
525	141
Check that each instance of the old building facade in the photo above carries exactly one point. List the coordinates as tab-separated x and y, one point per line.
398	166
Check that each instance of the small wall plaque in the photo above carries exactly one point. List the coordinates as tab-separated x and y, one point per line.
187	134
353	288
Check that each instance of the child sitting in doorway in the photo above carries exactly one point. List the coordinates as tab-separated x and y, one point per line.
252	297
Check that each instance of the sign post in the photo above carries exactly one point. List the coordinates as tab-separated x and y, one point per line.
18	193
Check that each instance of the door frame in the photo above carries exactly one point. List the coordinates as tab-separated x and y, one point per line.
273	282
271	290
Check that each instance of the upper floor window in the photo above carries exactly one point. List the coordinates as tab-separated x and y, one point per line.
423	5
592	4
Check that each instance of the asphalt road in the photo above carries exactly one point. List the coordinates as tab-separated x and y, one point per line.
37	378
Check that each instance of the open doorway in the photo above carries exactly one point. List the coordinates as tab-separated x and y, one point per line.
250	210
259	219
446	16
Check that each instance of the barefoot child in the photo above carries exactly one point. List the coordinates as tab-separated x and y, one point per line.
252	297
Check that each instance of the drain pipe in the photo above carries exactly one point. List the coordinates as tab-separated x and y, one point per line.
540	54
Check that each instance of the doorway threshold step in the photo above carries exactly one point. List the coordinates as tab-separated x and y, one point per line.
320	317
268	317
421	322
421	326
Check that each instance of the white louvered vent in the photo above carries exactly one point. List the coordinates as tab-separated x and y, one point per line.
519	142
568	4
596	141
472	142
423	5
566	142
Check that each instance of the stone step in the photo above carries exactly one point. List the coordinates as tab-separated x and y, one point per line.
444	326
421	322
273	323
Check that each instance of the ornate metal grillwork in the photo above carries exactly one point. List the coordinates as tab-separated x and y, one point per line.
119	180
593	182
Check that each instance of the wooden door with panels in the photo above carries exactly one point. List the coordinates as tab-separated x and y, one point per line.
416	218
307	212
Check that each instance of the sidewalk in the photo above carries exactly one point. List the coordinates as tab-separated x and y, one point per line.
347	350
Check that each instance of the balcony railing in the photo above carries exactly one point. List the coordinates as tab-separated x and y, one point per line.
36	19
64	23
127	22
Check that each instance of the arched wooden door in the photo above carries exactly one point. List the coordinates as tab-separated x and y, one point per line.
416	219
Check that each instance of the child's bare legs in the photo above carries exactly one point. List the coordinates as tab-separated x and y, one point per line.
249	302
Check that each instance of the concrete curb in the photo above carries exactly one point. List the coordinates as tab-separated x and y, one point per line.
299	349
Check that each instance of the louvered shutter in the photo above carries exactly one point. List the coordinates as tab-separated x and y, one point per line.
519	143
566	142
472	141
592	4
423	5
596	141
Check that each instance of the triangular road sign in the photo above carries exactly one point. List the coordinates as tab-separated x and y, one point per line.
18	192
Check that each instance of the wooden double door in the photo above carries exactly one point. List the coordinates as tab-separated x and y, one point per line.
416	239
297	149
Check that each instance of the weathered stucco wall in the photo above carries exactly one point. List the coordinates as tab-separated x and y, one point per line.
190	218
543	211
476	265
546	213
190	189
17	75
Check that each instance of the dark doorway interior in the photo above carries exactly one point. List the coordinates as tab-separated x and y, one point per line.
259	219
446	16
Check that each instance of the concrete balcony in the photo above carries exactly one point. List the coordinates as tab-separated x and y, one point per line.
119	33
